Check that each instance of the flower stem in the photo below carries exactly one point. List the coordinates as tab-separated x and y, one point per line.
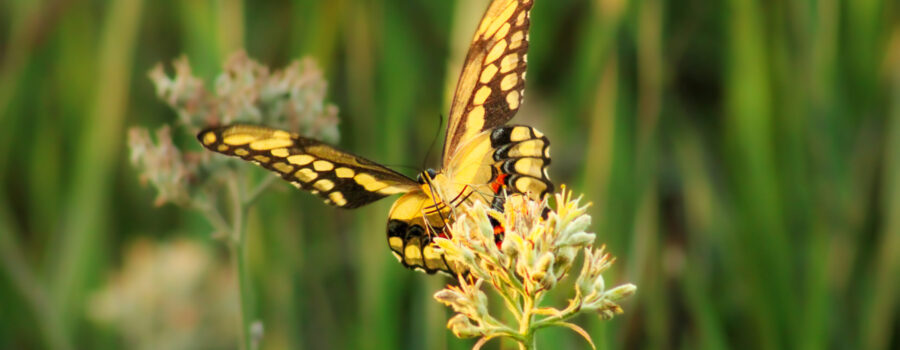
525	324
237	246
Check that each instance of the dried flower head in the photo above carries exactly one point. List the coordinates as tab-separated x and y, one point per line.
292	98
161	164
539	248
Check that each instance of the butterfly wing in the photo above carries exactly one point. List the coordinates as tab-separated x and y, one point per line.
492	82
339	178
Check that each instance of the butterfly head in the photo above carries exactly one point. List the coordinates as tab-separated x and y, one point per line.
426	177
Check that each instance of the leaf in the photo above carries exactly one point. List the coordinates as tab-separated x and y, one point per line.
547	311
584	334
483	341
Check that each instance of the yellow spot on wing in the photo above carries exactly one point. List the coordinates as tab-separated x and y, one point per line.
268	144
502	32
238	139
369	182
344	173
475	119
488	73
280	152
481	95
241	152
338	198
222	148
301	159
516	40
512	99
520	20
509	81
262	159
529	185
209	138
323	165
501	19
529	166
306	175
496	51
412	254
433	257
324	185
530	148
520	133
283	167
509	62
396	243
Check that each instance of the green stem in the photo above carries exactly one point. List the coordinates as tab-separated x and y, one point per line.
509	300
237	246
260	188
567	313
527	342
213	216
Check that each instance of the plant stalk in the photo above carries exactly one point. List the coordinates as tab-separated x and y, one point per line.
527	342
238	251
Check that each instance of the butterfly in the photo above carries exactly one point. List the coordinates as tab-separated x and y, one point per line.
483	158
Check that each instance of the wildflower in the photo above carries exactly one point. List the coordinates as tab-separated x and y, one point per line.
161	163
292	98
539	247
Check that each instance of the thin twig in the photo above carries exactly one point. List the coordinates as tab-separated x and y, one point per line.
259	190
237	244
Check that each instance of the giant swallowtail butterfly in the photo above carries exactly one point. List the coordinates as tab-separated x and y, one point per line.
483	159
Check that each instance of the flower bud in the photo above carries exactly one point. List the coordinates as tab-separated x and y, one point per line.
509	248
620	292
462	327
544	263
599	284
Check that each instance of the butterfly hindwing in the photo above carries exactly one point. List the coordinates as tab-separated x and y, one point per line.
492	82
339	178
522	156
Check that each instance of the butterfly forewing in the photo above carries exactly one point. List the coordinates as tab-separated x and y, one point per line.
339	178
491	85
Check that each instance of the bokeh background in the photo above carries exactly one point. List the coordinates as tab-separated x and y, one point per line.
743	158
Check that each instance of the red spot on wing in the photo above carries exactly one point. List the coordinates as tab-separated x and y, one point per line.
498	182
499	233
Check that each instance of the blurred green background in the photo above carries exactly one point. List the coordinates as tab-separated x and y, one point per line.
743	158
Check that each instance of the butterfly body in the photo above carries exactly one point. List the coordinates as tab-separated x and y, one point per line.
483	158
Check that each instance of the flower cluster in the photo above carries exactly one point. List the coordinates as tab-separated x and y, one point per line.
538	251
292	98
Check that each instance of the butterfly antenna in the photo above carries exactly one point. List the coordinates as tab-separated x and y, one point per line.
437	133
